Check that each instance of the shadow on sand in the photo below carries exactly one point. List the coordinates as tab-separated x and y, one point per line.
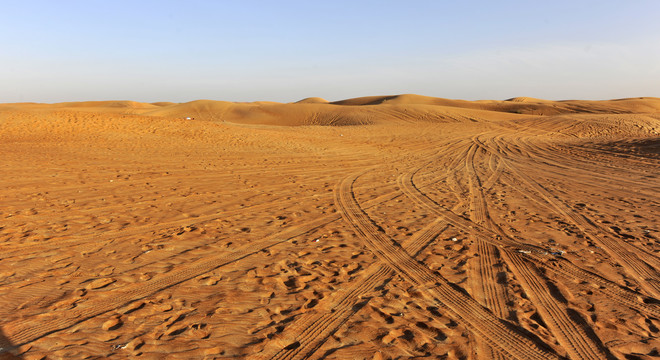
7	350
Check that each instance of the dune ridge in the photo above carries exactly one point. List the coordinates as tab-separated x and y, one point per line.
356	111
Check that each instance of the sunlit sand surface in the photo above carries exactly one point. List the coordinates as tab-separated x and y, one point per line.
384	227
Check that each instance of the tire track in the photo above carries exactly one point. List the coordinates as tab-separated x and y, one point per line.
652	259
572	145
478	212
641	160
9	250
570	331
638	269
488	290
457	189
88	241
558	265
546	160
86	204
308	333
646	275
49	294
209	217
570	271
492	330
27	330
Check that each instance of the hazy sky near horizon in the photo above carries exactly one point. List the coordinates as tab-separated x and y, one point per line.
148	51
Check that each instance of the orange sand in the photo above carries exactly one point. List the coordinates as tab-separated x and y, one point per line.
384	227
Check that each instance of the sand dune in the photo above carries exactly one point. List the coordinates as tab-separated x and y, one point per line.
524	99
312	100
382	227
356	111
105	104
521	105
163	103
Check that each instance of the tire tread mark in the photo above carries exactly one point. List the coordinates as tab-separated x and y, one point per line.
315	327
557	265
571	335
27	330
636	267
491	329
495	296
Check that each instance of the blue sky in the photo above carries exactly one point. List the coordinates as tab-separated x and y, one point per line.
284	51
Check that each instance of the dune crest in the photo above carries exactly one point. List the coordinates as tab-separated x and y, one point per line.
106	104
356	111
312	100
525	99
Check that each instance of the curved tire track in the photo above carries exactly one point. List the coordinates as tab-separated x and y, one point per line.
557	265
645	275
500	335
571	332
27	330
311	330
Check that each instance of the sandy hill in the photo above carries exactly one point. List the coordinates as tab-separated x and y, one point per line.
206	109
312	100
405	99
525	99
519	105
264	113
406	108
163	103
315	112
106	104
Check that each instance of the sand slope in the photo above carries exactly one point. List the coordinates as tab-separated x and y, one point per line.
384	227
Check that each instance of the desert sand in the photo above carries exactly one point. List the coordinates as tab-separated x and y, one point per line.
382	227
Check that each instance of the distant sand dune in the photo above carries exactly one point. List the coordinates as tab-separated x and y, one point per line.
356	111
106	104
312	100
524	99
163	103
